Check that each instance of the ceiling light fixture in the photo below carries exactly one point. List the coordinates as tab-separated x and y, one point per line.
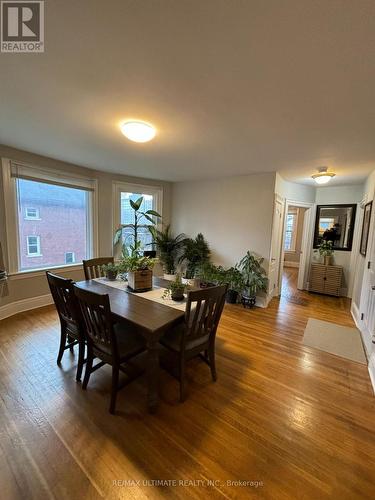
323	176
138	131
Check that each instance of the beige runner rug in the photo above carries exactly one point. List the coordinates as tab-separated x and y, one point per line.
340	340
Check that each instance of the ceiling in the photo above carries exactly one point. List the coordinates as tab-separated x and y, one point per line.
233	87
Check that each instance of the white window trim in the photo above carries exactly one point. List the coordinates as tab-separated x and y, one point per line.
37	212
37	254
294	230
119	187
11	213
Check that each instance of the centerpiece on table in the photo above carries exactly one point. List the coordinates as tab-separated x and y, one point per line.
137	266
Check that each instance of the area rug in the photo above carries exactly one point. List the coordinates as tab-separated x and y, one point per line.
340	340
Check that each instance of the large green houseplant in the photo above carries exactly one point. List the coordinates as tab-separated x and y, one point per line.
195	253
168	248
138	267
254	276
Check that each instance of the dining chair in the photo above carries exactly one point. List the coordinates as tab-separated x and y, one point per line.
111	342
93	267
196	335
71	321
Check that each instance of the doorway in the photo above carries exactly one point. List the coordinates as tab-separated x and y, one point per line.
296	247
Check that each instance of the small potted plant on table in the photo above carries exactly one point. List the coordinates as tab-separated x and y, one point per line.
111	271
254	277
175	289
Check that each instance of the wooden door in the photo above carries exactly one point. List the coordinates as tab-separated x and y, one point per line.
369	309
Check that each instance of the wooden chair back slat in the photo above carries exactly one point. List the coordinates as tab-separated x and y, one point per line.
62	291
97	316
203	311
93	267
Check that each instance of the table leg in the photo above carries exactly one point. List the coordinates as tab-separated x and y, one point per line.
153	375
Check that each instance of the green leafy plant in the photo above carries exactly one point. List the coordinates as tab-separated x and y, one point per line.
234	277
111	267
132	263
136	247
325	249
175	289
195	253
254	275
111	270
209	274
168	247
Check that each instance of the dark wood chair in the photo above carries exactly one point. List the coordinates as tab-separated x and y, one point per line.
196	336
110	341
93	267
71	321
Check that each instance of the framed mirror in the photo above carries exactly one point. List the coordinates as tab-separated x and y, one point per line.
335	223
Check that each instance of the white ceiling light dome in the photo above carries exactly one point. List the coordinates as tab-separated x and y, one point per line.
138	131
323	176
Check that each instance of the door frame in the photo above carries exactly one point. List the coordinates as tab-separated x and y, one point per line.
307	239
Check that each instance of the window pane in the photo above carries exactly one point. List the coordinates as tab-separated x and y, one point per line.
127	217
61	226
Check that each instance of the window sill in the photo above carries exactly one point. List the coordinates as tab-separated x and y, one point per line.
33	273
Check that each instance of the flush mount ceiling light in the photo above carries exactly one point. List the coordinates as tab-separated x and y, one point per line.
138	131
323	176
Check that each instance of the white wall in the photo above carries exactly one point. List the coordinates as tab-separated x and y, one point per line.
234	214
293	191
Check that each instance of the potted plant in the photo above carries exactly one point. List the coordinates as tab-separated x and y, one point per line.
195	253
236	284
139	271
175	289
111	271
138	267
254	277
168	247
208	274
326	251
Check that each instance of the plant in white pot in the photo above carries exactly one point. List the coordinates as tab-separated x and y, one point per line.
326	251
138	267
168	248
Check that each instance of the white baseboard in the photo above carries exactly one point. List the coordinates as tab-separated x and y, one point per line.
290	263
371	370
25	305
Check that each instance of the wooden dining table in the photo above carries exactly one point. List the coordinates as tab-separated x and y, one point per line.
150	318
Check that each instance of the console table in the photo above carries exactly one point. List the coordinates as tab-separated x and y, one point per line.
326	279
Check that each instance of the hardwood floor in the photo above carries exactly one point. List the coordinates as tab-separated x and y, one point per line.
298	421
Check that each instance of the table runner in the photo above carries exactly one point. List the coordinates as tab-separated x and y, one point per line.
155	294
